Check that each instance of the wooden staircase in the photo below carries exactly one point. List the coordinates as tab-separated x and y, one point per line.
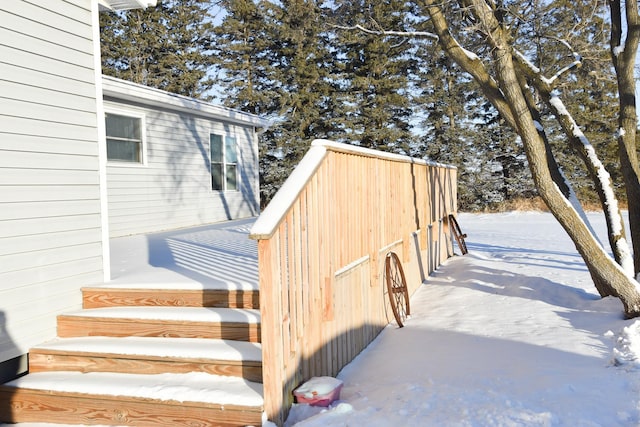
146	357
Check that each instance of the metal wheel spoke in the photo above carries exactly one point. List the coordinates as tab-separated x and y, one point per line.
457	233
397	288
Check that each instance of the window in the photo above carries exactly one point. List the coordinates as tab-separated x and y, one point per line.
124	138
224	163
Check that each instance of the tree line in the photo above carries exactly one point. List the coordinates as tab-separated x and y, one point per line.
525	97
304	65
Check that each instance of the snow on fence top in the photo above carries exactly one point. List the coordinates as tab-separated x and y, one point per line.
268	221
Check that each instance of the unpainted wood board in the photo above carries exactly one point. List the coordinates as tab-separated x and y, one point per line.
27	405
79	326
106	297
43	360
271	318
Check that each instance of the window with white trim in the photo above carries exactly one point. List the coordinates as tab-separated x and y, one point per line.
224	162
125	137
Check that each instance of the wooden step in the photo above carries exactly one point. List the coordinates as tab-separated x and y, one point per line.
149	355
106	296
126	399
182	322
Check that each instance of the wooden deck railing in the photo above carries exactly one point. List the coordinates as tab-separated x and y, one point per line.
321	248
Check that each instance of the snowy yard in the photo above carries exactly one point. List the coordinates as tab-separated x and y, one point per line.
512	334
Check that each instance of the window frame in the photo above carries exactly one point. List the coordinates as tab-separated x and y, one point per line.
143	136
224	138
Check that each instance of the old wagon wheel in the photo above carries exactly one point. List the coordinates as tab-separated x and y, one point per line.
457	233
397	288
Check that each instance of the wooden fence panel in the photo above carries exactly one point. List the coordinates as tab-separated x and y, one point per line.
322	244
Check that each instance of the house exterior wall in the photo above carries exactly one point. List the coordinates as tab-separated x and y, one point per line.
171	188
50	221
53	171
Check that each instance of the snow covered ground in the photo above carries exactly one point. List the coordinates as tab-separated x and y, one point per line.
512	334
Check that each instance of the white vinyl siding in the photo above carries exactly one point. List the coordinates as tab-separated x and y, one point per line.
50	221
173	189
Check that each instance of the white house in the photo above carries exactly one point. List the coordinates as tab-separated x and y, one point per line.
84	158
174	161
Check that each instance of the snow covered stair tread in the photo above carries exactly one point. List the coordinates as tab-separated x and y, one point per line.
196	348
230	285
149	355
195	314
191	387
175	322
146	400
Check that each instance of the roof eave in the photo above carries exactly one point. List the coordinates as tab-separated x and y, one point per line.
133	92
125	4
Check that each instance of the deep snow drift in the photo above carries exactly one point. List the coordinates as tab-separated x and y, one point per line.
512	334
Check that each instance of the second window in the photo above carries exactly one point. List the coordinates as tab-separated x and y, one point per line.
224	163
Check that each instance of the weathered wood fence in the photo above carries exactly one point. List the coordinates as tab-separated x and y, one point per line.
322	242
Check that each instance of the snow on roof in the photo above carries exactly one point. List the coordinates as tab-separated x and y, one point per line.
125	4
124	90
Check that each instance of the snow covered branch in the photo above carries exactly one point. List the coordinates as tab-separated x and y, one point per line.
619	244
532	70
577	63
415	34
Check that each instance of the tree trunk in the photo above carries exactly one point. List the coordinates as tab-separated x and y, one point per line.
608	276
624	59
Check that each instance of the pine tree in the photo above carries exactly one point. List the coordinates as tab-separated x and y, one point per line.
376	72
167	47
274	60
244	42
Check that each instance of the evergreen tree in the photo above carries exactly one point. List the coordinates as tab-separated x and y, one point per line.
376	73
274	59
167	47
243	48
